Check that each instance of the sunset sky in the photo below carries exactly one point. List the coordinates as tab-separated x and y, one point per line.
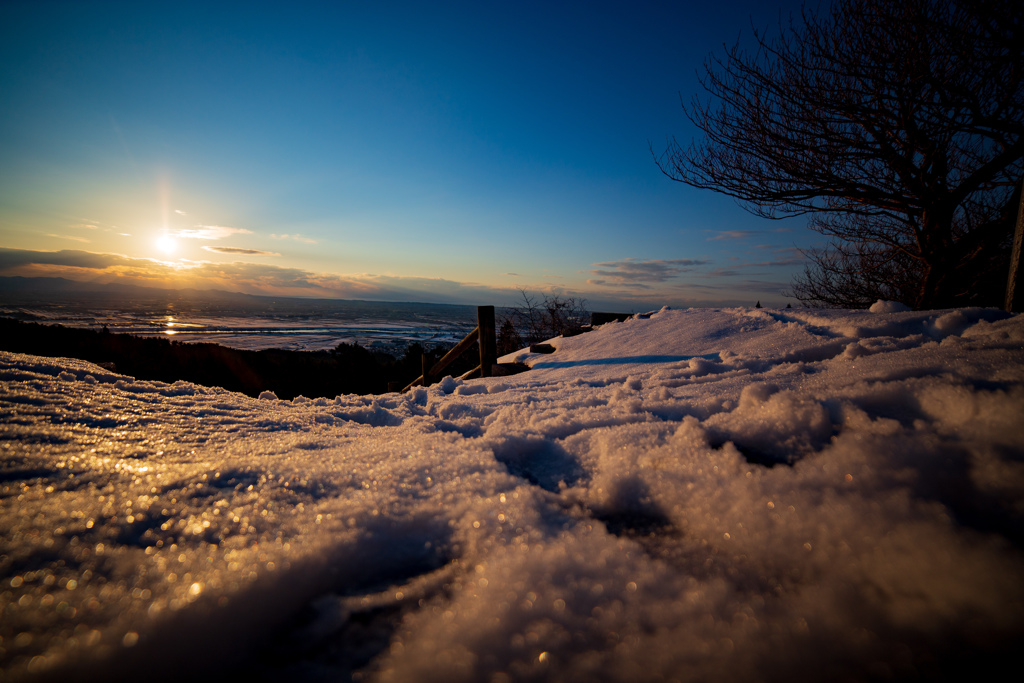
445	152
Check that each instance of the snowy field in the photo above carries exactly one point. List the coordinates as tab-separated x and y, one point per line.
698	495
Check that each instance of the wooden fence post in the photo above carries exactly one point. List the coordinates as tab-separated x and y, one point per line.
483	335
488	342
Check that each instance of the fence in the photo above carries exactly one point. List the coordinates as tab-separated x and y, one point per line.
484	336
486	339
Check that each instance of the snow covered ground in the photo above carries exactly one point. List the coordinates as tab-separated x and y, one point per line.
713	495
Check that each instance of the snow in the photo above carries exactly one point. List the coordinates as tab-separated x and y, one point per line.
882	306
720	495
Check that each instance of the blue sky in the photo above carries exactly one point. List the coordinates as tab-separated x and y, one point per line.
437	152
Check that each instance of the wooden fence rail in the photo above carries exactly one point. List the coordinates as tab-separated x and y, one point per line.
483	334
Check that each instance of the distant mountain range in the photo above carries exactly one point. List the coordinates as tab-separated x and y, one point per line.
56	291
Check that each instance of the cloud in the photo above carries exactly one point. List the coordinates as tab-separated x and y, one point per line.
774	263
68	237
741	234
241	276
239	250
87	226
609	293
723	272
180	212
605	283
297	237
210	232
732	235
632	273
785	258
72	258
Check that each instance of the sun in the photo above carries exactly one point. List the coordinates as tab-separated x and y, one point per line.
166	244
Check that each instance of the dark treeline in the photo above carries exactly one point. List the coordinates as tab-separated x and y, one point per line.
346	369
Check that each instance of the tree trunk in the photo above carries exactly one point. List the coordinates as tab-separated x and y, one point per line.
937	250
1015	297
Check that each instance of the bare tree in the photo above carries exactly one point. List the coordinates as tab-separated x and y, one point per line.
896	125
534	320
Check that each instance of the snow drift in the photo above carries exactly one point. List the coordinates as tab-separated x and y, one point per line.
727	495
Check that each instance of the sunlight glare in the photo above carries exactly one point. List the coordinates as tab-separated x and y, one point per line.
166	244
